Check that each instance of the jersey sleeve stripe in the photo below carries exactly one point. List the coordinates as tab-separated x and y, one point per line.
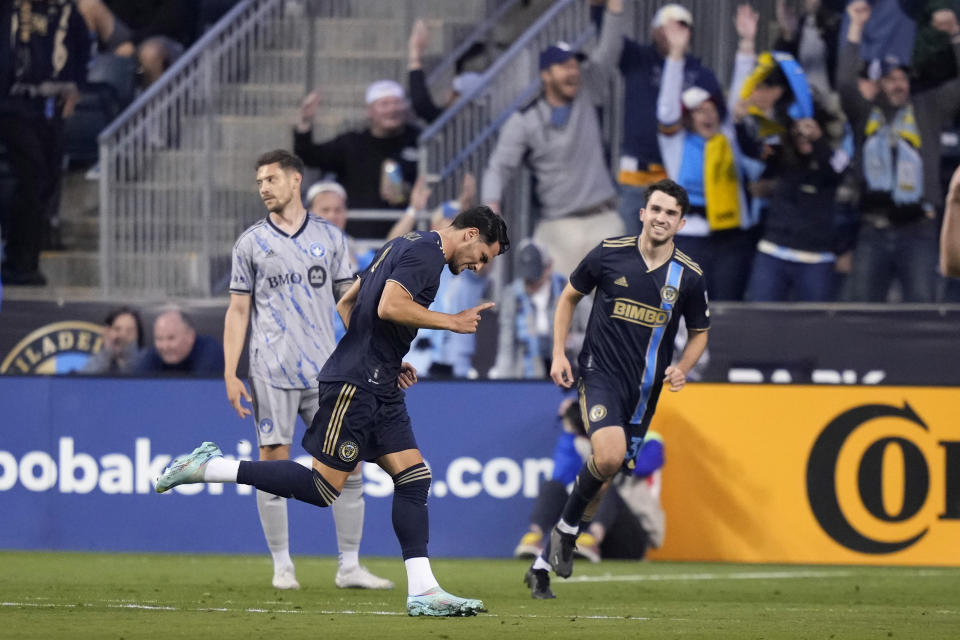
403	286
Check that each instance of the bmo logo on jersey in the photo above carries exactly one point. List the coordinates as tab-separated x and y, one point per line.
284	278
317	276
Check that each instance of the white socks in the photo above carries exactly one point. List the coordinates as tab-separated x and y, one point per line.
568	528
348	512
219	469
419	576
273	519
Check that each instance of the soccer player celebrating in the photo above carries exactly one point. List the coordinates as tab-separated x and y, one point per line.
362	413
289	270
644	284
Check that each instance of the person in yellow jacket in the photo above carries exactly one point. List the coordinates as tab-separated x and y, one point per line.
699	151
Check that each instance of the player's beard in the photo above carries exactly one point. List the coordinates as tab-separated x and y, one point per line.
277	205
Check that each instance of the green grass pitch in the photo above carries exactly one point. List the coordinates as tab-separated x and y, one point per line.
103	596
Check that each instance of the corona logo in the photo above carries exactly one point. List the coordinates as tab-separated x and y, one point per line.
54	348
869	479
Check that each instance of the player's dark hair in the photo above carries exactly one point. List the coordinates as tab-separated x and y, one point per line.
492	227
672	189
284	158
119	311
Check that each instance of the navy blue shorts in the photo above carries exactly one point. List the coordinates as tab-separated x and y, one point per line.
603	404
353	424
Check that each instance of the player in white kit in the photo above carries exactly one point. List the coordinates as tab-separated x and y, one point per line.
288	272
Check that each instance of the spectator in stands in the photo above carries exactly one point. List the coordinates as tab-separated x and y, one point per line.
328	200
423	105
700	152
890	33
525	312
795	258
629	517
155	32
933	61
435	353
122	340
950	240
178	350
558	136
811	39
898	141
44	47
642	66
376	165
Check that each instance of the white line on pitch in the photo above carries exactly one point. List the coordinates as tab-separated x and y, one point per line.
743	575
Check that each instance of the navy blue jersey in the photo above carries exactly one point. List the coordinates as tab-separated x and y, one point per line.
634	319
370	353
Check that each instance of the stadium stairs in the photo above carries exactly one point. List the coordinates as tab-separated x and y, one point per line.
258	113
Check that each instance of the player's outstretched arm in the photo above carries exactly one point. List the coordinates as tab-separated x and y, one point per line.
560	370
396	305
234	332
676	375
347	301
950	233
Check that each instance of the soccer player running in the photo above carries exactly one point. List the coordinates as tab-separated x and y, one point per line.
644	284
289	270
362	413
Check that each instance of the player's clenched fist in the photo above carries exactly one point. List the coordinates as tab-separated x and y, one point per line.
407	376
675	377
467	320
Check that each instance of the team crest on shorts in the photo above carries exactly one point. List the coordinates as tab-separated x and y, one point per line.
317	250
266	425
669	294
348	451
597	412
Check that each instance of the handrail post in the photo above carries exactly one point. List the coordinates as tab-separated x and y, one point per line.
106	216
208	174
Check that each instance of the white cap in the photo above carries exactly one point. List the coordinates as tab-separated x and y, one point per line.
384	89
671	12
323	187
694	97
466	82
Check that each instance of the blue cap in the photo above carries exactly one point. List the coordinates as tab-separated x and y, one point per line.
558	54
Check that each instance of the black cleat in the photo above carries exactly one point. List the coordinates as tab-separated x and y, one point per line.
539	582
561	552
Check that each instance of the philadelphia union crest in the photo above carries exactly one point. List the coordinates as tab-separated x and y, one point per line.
597	412
669	294
348	451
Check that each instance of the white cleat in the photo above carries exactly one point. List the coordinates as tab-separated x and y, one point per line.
359	577
285	579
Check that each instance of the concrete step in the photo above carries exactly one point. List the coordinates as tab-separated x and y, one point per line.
71	268
438	9
79	212
345	68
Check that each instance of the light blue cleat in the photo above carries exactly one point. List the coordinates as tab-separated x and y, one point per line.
438	602
188	468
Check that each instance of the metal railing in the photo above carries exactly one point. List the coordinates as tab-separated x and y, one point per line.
164	164
462	138
176	167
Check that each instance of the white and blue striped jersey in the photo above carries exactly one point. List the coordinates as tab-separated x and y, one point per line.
292	280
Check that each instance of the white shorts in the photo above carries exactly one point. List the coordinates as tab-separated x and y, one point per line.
275	411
